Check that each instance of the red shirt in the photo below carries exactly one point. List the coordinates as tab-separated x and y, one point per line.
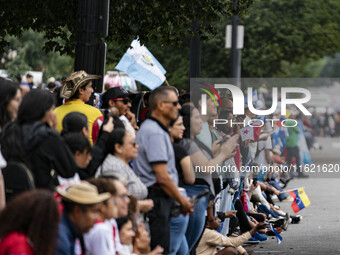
15	244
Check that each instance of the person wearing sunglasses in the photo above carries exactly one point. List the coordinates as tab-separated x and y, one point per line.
118	97
122	148
156	165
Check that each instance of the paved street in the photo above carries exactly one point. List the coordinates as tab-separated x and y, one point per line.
319	230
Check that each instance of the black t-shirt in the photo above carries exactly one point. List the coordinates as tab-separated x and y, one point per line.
180	153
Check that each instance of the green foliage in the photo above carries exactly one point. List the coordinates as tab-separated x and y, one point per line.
307	68
175	60
282	39
332	67
32	57
55	18
279	32
165	22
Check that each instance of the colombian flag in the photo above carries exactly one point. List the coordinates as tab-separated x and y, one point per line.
300	199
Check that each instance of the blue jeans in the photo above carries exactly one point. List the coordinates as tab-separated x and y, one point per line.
267	211
225	205
178	227
197	218
276	185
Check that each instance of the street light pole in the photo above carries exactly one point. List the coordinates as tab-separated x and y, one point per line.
235	70
195	54
92	25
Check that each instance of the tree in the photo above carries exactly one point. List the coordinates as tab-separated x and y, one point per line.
29	56
332	67
282	39
166	22
295	31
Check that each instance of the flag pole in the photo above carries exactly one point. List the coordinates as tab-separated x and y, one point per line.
166	82
285	191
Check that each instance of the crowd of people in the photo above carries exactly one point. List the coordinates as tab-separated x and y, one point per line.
79	179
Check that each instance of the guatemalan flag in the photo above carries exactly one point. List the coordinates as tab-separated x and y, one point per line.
141	65
300	199
251	132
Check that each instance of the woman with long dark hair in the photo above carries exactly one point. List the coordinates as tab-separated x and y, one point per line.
201	157
42	148
29	224
48	154
10	98
186	175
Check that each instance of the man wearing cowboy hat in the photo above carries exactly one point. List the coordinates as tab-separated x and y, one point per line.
77	89
81	203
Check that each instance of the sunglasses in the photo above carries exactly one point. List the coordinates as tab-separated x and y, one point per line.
174	103
124	100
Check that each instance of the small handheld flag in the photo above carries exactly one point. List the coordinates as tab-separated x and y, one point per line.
277	235
251	132
300	199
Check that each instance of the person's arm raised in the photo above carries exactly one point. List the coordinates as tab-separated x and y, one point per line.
227	151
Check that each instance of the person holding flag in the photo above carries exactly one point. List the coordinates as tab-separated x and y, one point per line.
211	239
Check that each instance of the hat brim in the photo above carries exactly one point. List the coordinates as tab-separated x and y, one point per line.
83	200
277	151
132	94
68	91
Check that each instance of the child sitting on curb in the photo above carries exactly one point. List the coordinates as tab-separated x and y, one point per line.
211	239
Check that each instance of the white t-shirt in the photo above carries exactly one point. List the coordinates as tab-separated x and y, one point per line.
127	125
100	239
66	182
262	147
127	250
117	242
262	199
3	162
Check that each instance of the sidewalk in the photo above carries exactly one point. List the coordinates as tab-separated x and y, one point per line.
319	230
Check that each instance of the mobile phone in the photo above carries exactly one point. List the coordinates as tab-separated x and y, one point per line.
176	209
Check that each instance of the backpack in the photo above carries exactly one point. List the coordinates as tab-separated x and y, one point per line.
17	178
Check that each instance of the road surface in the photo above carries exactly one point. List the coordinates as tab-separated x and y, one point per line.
319	230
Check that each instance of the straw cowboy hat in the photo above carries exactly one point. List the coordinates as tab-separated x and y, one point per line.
74	81
83	193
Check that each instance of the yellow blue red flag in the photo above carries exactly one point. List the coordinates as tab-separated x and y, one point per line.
300	199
